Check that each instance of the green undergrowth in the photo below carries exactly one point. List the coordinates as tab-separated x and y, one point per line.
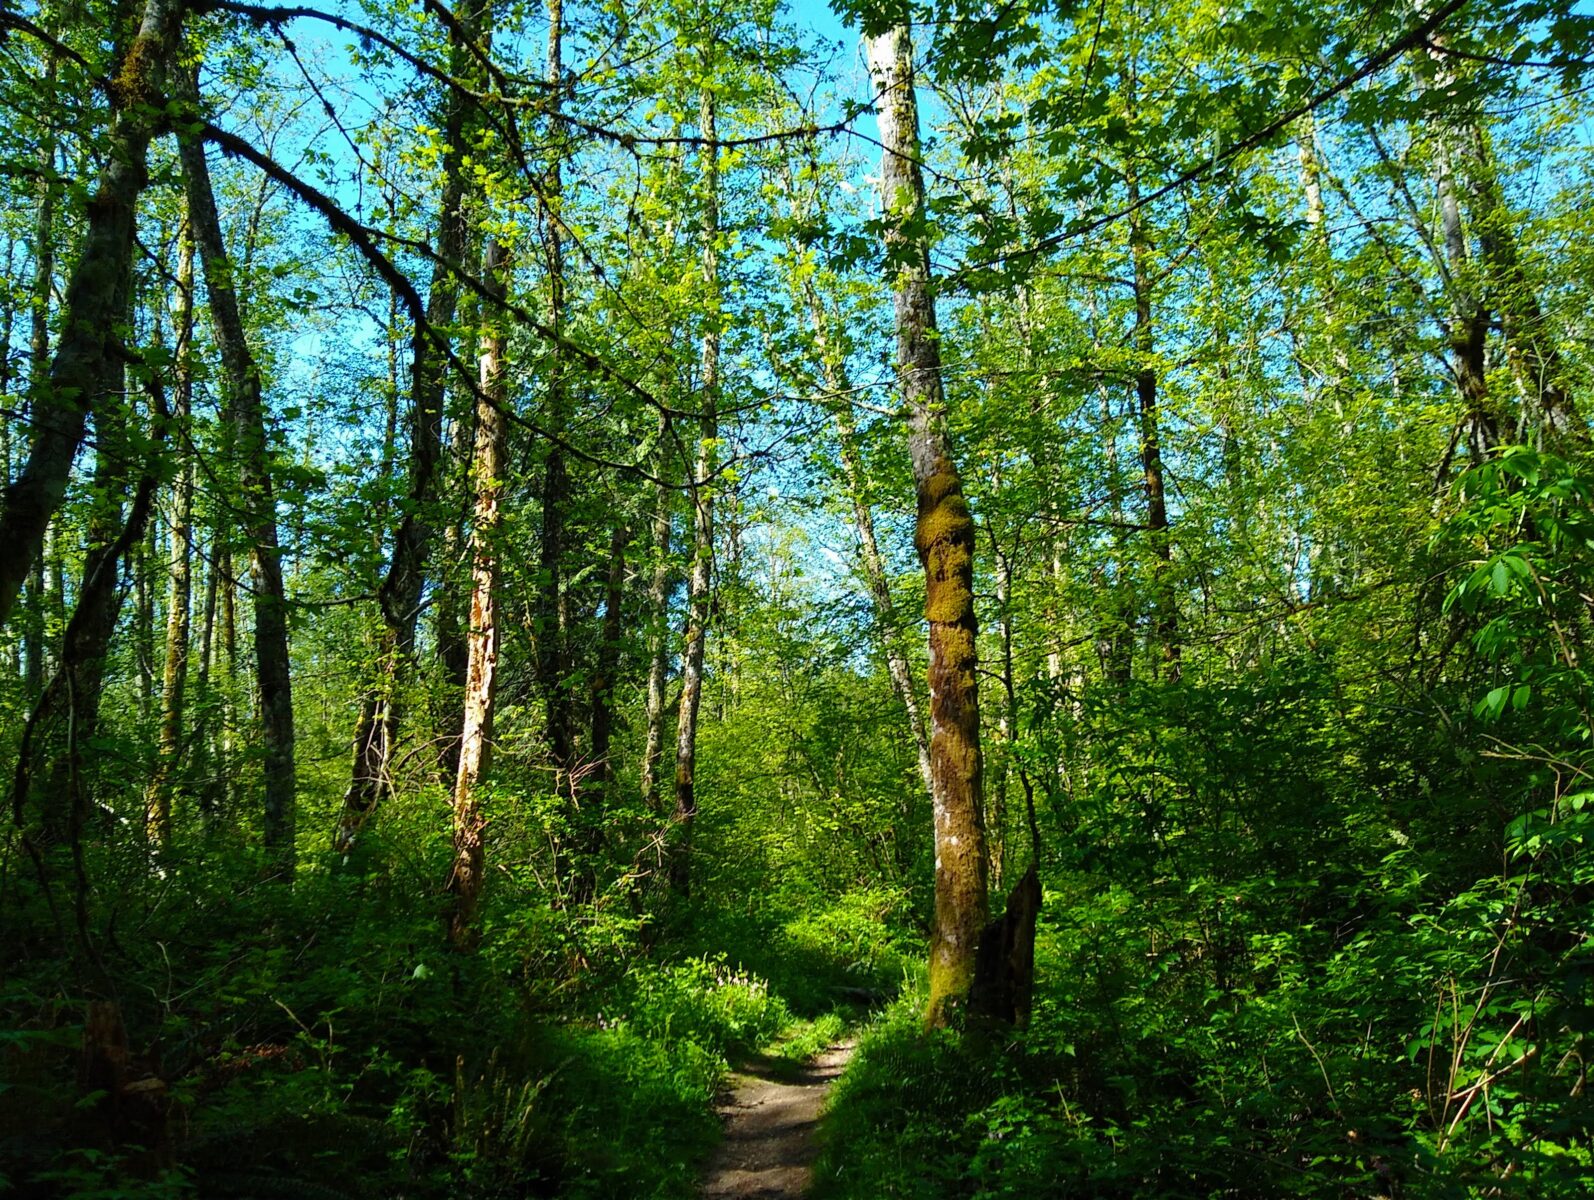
326	1043
1322	1072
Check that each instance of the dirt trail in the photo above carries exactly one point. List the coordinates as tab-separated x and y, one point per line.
770	1119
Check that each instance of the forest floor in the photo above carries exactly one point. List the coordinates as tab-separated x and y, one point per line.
771	1115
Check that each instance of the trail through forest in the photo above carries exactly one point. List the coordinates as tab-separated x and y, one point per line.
770	1121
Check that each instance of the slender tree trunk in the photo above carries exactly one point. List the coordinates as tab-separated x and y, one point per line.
702	493
1317	232
246	415
874	571
206	695
174	674
658	627
88	361
36	627
1529	340
1117	641
465	881
399	597
109	542
611	641
453	646
38	375
552	617
66	716
945	542
1151	442
1469	323
1007	715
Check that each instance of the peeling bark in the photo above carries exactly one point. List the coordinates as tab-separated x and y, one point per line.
475	752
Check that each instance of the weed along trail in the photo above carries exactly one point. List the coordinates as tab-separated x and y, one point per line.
771	1116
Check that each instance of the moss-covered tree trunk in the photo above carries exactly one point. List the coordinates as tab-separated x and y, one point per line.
1530	338
87	367
944	538
36	628
1469	323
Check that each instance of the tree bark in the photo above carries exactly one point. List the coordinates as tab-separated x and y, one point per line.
611	641
944	539
245	411
465	881
88	360
399	597
67	712
1529	341
1469	323
1151	441
702	493
874	572
453	645
179	588
658	627
552	617
37	628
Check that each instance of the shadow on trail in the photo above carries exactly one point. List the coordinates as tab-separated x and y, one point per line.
771	1116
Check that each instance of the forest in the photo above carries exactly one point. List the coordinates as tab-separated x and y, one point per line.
986	599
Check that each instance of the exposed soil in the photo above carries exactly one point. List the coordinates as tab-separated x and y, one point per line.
770	1117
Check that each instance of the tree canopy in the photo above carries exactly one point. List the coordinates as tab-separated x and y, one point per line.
549	550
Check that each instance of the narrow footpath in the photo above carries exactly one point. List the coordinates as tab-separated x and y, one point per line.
770	1119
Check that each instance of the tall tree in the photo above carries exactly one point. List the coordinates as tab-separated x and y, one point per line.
944	538
86	369
245	409
180	554
487	481
700	583
553	616
399	597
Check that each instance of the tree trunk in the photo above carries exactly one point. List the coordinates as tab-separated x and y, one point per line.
552	617
611	641
88	361
245	410
944	539
465	882
1529	341
1151	442
874	571
174	674
453	646
205	694
702	493
399	597
67	712
37	627
658	627
1469	323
